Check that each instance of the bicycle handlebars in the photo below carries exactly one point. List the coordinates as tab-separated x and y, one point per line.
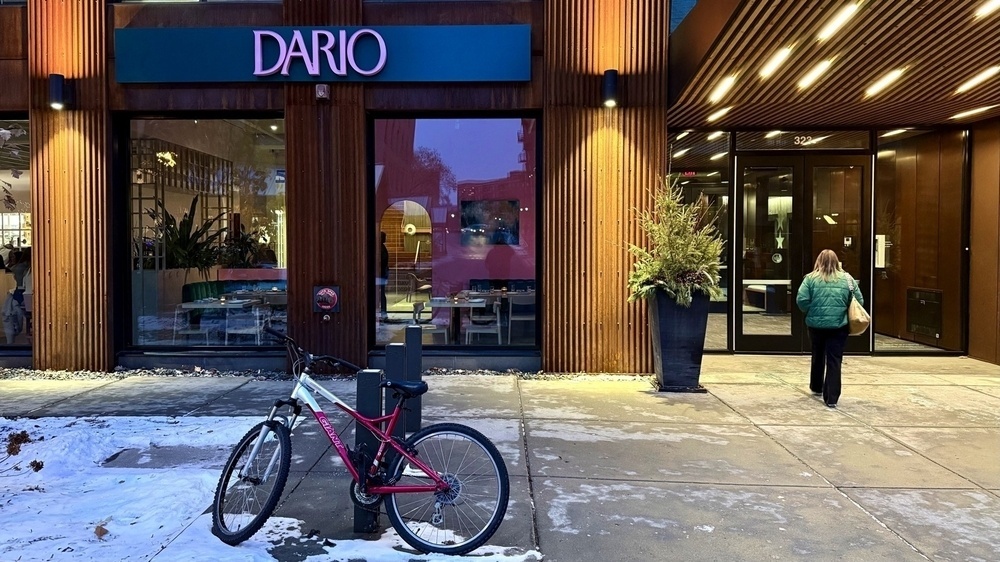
277	334
309	358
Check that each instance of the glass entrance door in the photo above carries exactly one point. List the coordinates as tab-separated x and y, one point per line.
791	208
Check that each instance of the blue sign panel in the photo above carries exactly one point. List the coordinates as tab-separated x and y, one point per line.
456	53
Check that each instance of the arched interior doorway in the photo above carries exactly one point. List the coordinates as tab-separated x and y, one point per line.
408	233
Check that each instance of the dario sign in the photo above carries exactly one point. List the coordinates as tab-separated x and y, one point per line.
450	53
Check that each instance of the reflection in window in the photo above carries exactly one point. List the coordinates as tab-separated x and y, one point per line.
208	231
699	166
456	219
15	233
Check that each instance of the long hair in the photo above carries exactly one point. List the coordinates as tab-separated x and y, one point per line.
827	266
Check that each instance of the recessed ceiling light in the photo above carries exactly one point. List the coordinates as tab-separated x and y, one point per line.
884	82
777	59
681	152
684	134
894	133
978	79
722	88
718	114
813	75
772	134
274	127
837	22
719	155
715	135
987	8
972	112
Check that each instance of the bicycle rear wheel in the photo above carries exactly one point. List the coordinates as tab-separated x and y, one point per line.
463	518
250	487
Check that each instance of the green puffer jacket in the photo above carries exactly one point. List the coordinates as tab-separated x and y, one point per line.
825	302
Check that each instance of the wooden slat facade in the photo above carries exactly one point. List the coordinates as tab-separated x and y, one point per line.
984	262
326	203
597	167
70	195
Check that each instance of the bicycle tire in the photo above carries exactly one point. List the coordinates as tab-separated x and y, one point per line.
241	507
468	514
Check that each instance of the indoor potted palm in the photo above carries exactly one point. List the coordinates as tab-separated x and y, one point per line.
677	272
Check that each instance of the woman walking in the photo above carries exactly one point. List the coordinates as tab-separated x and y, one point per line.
823	296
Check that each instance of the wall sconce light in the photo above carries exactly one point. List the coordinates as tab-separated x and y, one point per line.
60	92
609	88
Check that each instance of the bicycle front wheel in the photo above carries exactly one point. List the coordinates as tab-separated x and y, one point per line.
251	486
466	516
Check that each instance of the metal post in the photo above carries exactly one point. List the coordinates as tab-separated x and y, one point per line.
414	372
369	405
395	370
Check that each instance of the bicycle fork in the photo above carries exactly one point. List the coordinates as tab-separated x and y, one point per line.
272	419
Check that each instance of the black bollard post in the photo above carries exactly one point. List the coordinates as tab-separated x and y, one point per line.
414	372
369	405
395	370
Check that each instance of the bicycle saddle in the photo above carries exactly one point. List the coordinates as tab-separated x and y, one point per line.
408	389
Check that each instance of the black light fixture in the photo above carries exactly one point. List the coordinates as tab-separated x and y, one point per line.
59	92
609	88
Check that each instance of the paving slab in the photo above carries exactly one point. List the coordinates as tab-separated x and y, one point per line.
257	397
971	380
25	397
943	524
710	376
622	400
662	452
174	396
779	404
932	406
322	503
471	396
987	390
506	434
970	452
706	522
863	457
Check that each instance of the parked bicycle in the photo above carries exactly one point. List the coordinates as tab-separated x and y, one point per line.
445	487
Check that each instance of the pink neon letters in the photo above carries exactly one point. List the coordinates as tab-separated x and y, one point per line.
337	51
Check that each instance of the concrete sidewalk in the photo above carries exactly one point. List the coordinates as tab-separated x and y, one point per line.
605	468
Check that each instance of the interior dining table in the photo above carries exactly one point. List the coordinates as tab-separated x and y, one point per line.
456	305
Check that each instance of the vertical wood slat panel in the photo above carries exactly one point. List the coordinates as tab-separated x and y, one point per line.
326	199
70	185
599	166
984	234
950	250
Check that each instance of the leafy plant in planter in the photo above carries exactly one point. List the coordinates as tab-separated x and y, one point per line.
185	246
677	272
241	249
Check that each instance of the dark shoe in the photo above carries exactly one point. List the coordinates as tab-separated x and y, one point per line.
828	405
817	393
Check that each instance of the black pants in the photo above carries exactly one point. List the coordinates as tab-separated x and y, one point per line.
828	352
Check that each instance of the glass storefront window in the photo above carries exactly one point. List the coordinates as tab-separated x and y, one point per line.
456	230
700	167
15	233
208	231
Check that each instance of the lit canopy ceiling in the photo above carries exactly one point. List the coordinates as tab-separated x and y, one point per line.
888	64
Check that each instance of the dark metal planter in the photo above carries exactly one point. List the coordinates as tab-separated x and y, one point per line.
678	341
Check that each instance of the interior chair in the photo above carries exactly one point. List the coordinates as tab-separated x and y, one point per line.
418	285
492	328
522	309
427	326
242	323
483	315
183	326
